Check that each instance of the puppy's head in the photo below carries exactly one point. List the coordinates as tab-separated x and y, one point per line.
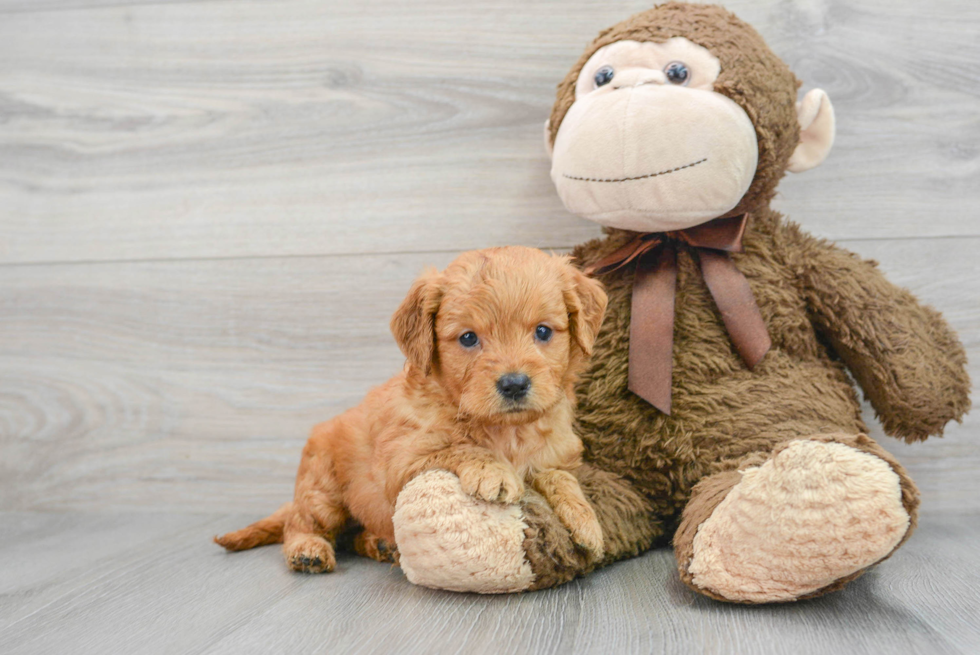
504	331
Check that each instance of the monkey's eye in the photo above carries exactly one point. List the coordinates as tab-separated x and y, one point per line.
677	73
543	333
603	76
468	339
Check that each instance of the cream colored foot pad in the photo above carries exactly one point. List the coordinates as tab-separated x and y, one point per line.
450	540
812	515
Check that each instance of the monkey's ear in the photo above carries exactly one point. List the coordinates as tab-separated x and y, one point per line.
547	138
816	117
586	303
414	322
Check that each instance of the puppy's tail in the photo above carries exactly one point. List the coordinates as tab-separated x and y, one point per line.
261	533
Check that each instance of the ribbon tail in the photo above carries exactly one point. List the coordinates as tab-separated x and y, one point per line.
737	305
637	247
652	327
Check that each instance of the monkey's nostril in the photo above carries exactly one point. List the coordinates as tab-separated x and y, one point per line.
513	386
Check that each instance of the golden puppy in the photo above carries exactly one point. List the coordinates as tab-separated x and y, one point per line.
494	344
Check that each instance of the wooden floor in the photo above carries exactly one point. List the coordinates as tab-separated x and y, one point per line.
145	583
209	210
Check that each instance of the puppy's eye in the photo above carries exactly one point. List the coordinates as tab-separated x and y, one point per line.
677	73
603	76
468	339
543	333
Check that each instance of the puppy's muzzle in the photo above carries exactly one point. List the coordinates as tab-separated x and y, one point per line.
513	386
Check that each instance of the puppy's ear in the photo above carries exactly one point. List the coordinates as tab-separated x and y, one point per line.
586	303
414	322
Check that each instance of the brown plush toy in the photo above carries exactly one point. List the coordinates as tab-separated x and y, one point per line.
718	411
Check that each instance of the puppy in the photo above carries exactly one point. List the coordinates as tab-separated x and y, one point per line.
493	345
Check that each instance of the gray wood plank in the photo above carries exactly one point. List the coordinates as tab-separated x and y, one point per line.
250	139
192	385
215	129
48	556
126	384
177	592
152	596
41	6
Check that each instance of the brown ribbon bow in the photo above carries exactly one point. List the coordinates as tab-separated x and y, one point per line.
654	288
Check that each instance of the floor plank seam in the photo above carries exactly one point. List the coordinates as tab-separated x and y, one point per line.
395	253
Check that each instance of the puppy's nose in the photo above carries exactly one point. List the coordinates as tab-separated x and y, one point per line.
513	386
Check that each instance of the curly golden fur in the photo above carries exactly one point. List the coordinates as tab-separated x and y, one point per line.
447	409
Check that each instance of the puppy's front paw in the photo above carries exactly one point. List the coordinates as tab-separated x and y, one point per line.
588	535
309	553
491	481
583	525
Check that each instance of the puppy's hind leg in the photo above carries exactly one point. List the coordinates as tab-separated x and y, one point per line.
318	514
376	548
307	547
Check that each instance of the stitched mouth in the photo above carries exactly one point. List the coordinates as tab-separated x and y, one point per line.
638	177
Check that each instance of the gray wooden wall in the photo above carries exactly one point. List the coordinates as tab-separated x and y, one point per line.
209	209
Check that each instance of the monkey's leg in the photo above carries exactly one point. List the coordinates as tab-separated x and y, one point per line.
449	540
814	515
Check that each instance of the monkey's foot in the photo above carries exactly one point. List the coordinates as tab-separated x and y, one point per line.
808	520
450	540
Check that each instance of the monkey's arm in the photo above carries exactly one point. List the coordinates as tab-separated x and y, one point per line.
908	361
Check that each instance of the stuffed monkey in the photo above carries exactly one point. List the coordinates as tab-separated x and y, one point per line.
719	413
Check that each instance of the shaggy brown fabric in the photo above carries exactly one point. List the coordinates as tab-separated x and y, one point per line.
812	295
548	545
826	310
629	523
751	76
629	528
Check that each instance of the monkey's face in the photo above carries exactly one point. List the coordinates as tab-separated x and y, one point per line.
648	145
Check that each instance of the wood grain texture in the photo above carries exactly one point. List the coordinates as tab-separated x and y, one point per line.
133	130
208	211
192	385
43	6
144	583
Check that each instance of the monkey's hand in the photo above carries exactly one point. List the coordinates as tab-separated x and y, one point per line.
904	355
